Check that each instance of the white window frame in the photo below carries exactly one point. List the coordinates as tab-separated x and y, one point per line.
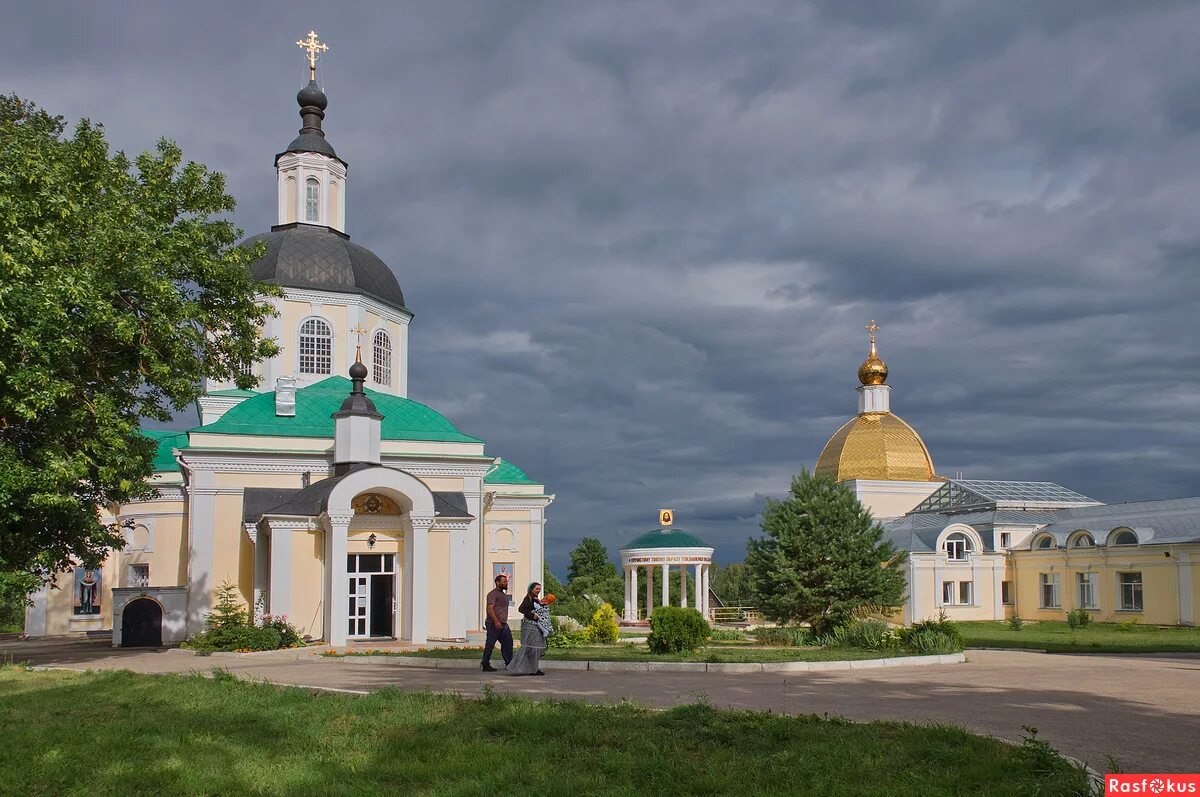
1117	534
1050	580
969	598
1044	538
1136	595
312	200
1006	596
316	355
1006	539
1085	590
958	547
381	363
948	593
1078	540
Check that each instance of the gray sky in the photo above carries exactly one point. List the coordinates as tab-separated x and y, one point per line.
642	239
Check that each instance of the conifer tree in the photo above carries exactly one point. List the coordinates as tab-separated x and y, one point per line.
823	558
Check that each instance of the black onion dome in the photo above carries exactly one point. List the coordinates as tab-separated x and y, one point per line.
312	95
312	102
318	258
358	371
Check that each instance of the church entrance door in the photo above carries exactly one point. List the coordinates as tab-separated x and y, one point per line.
141	624
371	590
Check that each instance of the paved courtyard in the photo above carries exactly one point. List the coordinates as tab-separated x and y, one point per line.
1144	710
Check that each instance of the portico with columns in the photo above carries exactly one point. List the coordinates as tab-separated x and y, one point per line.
666	551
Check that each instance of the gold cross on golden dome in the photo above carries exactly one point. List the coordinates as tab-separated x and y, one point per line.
313	46
872	328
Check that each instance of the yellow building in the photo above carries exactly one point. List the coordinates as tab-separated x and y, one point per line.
341	503
984	550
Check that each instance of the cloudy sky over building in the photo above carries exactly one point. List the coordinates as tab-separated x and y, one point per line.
641	240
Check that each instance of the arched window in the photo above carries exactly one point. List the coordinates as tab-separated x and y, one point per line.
958	545
316	347
312	199
1125	537
1083	540
381	374
1043	542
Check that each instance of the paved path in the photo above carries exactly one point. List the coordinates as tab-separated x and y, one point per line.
1144	710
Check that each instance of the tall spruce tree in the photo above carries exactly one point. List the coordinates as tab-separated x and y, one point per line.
823	558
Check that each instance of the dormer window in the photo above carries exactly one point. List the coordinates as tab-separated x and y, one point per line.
312	199
1083	540
1125	537
1044	542
957	547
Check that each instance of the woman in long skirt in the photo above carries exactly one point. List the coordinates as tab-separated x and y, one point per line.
535	628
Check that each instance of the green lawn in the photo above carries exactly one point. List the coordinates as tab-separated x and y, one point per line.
118	733
1093	638
732	652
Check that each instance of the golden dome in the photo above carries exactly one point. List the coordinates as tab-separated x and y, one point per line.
876	445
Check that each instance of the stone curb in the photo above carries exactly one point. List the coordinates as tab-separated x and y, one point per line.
430	663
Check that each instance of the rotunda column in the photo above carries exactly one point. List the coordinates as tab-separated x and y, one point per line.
666	585
625	605
649	590
698	587
683	586
633	593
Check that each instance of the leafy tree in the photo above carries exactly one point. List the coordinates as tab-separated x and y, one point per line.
733	584
823	558
590	560
550	582
119	293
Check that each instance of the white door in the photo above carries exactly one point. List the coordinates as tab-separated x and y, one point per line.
360	606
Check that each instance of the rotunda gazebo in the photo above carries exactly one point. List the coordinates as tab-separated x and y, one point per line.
663	549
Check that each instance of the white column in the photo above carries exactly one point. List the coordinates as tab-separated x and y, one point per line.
337	585
633	593
465	548
416	577
201	543
704	590
698	587
666	585
649	591
279	593
998	588
683	586
625	609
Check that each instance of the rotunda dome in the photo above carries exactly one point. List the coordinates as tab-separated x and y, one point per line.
318	258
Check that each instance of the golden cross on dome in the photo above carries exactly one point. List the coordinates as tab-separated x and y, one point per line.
872	328
313	46
359	331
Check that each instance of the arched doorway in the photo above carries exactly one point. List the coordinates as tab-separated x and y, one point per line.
141	624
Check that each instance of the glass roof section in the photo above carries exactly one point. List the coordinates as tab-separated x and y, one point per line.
973	493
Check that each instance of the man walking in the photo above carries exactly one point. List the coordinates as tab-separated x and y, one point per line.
497	624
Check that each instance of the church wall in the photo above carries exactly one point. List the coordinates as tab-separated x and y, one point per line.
446	484
279	480
320	446
307	583
60	602
233	554
926	574
439	584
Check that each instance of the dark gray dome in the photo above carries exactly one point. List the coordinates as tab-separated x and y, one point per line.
308	256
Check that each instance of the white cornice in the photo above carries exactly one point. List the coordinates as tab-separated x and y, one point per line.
365	303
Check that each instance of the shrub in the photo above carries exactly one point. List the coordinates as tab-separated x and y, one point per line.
674	629
930	641
1078	618
603	626
941	625
727	635
1016	623
229	628
1129	625
865	634
784	636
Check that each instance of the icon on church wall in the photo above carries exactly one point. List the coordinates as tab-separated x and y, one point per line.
506	569
87	590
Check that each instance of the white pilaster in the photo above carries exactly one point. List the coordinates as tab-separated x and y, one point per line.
998	589
873	398
262	569
666	585
649	592
465	551
201	541
337	585
416	579
699	578
625	605
683	586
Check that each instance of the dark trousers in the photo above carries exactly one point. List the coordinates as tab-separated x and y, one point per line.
502	635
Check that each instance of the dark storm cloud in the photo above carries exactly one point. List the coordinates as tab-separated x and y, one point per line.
641	239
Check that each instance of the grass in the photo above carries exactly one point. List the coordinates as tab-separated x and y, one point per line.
118	733
720	653
1057	637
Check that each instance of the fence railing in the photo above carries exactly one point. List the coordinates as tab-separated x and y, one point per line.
736	614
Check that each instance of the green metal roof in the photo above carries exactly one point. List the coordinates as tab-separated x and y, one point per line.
403	419
234	392
164	460
669	537
507	473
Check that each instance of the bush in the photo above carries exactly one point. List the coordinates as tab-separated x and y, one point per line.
674	630
1016	623
229	628
941	625
784	636
603	626
727	635
865	634
1078	618
930	641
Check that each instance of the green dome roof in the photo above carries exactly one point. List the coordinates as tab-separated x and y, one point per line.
507	473
166	439
403	419
668	537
